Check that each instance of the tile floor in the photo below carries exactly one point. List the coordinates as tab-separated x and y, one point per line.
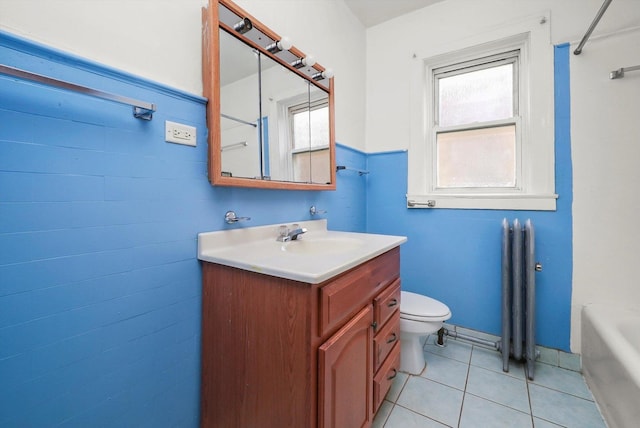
464	386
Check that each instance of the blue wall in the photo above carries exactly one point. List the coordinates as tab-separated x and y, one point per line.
99	281
454	255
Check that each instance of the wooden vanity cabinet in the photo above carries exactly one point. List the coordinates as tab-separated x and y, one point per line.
282	353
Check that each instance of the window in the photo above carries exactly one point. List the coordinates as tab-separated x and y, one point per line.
486	140
310	144
299	152
476	123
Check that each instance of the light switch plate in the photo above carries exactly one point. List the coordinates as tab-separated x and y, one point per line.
179	133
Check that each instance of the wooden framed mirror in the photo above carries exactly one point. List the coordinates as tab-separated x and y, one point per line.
270	112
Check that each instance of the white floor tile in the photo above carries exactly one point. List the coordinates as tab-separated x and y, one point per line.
564	409
541	423
439	402
464	387
477	412
498	387
405	418
561	380
492	360
446	371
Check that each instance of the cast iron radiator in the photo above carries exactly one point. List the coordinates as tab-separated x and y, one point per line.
518	294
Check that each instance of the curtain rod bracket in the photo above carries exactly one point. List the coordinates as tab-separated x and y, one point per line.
359	171
143	113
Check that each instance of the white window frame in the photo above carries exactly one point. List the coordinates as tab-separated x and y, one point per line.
316	102
302	107
282	153
535	176
508	57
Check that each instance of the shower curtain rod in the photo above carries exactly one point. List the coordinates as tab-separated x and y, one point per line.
603	8
141	109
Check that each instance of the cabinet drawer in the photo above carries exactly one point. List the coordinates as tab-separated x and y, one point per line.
386	304
346	295
385	269
384	378
385	340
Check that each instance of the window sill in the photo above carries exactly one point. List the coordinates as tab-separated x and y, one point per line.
484	202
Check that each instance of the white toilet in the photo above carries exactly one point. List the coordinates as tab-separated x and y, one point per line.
419	316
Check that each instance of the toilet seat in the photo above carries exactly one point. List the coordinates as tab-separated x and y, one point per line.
417	307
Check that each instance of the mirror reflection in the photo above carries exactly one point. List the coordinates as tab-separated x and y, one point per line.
240	109
310	138
291	142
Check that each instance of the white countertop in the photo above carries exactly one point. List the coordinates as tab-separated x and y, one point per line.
317	256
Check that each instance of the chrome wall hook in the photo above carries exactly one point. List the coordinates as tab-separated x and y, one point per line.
231	217
314	211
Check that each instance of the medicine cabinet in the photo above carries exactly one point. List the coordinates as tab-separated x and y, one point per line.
271	108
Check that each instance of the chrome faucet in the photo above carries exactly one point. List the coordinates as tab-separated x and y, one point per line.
285	234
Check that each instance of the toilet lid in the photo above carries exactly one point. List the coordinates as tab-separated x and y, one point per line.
417	305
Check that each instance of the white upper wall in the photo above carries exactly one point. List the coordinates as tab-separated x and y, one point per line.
155	39
391	46
160	40
605	150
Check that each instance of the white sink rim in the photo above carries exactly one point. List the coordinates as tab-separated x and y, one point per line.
256	249
317	246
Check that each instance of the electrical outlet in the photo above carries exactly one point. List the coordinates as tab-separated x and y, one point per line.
179	133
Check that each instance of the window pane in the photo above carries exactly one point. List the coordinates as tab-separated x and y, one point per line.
312	167
301	130
477	158
319	128
476	96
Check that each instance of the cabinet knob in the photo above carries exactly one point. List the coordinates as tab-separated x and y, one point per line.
374	325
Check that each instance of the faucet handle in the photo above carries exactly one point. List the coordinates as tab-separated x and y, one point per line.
283	231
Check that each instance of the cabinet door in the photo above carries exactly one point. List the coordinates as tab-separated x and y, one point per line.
345	378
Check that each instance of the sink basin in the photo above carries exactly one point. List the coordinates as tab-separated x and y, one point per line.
321	246
317	256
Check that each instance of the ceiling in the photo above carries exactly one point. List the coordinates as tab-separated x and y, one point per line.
373	12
